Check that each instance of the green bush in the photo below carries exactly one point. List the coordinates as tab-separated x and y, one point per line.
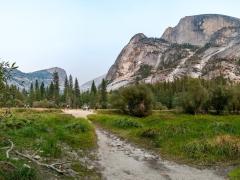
126	123
144	71
150	133
225	146
195	96
219	98
78	127
135	100
44	104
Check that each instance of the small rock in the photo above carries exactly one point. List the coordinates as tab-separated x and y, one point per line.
37	157
90	167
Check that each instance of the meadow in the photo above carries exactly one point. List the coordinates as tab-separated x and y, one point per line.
200	140
46	144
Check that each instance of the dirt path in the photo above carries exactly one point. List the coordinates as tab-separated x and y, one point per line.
122	161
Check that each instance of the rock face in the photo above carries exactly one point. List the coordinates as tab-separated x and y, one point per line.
197	30
24	80
199	46
87	86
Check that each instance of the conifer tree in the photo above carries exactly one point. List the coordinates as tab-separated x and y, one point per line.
31	95
93	96
76	93
93	88
51	91
42	91
103	94
37	91
56	87
70	91
66	91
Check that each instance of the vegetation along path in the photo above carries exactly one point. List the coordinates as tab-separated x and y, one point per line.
121	160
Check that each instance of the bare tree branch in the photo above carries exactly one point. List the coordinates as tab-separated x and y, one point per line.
50	166
10	149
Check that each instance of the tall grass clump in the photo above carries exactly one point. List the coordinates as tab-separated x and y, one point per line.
126	123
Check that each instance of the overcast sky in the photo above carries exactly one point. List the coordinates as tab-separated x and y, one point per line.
85	36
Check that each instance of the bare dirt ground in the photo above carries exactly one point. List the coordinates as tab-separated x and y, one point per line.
120	160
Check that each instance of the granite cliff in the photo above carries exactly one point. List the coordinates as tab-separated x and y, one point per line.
199	46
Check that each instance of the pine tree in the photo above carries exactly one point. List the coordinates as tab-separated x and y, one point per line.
103	94
31	95
93	88
37	91
51	91
70	82
76	93
70	91
93	96
42	91
56	87
66	91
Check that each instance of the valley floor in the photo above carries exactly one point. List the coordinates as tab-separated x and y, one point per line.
36	143
46	144
119	159
207	142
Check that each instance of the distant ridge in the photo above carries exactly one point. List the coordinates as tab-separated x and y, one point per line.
86	86
24	80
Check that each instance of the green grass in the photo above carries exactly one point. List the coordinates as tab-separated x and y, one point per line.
46	132
234	174
194	139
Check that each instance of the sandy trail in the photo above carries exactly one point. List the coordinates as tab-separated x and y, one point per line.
122	161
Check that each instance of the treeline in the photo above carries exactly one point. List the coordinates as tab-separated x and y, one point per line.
187	94
52	96
198	95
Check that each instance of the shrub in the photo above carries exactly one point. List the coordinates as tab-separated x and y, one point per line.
78	127
43	104
150	133
144	71
219	127
222	145
234	102
135	100
126	123
219	98
193	99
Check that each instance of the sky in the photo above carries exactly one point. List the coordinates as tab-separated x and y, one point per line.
84	37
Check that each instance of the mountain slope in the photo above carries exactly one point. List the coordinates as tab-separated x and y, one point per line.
87	86
24	80
199	46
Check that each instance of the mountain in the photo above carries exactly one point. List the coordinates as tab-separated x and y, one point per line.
24	80
87	86
204	46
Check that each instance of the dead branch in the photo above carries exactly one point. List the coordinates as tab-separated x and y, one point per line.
50	166
55	166
10	149
7	147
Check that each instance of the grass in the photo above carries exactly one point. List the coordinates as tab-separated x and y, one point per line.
195	139
234	174
47	132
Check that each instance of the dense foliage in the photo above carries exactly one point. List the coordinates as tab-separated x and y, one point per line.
134	100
